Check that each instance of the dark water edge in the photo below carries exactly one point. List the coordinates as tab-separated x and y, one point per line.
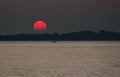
73	36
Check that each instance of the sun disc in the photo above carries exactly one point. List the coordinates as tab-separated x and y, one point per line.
40	26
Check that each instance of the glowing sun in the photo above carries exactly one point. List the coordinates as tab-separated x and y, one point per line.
39	26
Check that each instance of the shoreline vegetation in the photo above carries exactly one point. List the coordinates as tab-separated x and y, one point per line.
72	36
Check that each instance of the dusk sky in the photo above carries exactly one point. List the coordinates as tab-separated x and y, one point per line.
18	16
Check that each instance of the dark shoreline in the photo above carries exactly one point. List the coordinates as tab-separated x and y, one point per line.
73	36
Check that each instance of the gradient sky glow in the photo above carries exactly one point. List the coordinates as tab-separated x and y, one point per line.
18	16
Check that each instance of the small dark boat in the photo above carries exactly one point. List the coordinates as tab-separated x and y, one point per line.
53	41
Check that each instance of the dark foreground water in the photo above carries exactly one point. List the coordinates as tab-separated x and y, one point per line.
61	59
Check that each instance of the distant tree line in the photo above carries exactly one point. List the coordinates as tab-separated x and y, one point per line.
73	36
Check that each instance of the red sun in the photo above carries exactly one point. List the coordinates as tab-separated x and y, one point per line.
40	26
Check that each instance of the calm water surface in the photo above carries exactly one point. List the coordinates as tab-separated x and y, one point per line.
61	59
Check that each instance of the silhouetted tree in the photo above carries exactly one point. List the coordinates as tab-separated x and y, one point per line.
73	36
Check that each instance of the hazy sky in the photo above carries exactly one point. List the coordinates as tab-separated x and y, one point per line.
18	16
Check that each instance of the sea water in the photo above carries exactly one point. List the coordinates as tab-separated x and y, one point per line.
60	59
